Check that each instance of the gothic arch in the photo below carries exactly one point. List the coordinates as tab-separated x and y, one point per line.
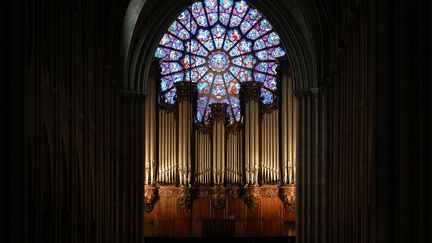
297	22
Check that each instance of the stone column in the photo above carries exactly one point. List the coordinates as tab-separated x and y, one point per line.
184	101
218	119
250	97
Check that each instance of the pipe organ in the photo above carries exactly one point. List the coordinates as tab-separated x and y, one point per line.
257	151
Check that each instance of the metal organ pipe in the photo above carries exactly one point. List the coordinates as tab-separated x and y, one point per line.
219	114
251	96
273	144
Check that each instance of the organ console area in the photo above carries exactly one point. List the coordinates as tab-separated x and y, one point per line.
239	175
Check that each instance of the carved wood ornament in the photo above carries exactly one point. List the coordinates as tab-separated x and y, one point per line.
288	197
150	198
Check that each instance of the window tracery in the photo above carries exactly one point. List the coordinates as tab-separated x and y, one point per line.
219	44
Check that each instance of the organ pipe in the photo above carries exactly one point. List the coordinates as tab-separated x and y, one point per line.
202	164
150	138
251	97
270	146
284	126
219	118
184	95
234	160
167	146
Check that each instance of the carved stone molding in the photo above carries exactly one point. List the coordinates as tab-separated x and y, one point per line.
184	91
184	197
287	195
219	112
150	198
250	91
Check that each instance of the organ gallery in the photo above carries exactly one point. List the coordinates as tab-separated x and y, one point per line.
220	126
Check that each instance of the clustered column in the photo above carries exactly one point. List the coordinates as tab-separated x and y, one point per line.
219	118
250	98
184	97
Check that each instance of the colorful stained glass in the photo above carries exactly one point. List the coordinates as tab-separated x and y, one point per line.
212	11
171	41
247	61
170	67
167	54
177	29
238	13
199	13
218	44
225	9
250	20
266	41
192	61
270	54
186	19
219	61
267	97
204	37
218	35
267	67
170	96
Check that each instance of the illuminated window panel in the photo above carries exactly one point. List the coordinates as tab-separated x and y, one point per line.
219	44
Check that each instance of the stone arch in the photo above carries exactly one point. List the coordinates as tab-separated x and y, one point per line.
145	21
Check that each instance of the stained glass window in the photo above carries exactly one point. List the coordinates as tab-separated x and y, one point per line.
219	44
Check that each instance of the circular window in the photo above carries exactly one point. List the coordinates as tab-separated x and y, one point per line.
219	44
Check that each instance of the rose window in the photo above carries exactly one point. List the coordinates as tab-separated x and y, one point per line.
219	44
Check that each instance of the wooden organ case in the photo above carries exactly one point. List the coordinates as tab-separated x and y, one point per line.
219	178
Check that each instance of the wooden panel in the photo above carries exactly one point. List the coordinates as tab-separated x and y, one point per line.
253	227
271	227
255	212
201	208
271	208
266	218
236	208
